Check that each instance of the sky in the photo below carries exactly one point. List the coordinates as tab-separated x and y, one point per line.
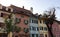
39	6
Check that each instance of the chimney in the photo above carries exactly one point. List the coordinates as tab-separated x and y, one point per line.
23	7
0	6
31	9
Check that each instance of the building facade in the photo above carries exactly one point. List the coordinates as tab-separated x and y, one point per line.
4	13
43	30
22	15
33	26
56	29
21	19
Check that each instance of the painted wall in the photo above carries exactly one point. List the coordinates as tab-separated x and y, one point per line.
56	29
43	33
33	25
22	25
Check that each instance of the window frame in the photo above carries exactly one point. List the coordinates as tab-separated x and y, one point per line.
41	28
26	22
17	19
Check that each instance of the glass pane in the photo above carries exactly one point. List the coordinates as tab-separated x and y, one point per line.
32	35
41	28
36	35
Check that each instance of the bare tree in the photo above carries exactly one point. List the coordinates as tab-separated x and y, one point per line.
49	20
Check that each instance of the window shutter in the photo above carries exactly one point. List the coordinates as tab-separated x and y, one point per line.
17	20
26	30
26	22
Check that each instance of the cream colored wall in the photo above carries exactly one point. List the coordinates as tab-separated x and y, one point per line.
42	25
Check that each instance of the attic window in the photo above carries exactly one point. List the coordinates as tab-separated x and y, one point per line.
44	21
11	10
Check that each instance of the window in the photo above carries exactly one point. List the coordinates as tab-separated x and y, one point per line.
1	14
22	16
35	21
41	28
36	35
16	36
32	35
41	35
30	27
9	9
45	28
40	21
17	20
45	35
33	28
37	29
9	16
26	22
26	30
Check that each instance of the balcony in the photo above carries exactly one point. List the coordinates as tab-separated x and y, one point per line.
2	20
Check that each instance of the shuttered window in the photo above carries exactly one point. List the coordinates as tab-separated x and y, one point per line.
17	20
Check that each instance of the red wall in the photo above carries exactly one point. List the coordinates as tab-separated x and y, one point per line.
22	25
56	29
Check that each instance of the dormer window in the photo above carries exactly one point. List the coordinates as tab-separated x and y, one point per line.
41	28
6	8
11	10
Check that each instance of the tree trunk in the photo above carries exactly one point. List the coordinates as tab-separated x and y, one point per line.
50	31
10	34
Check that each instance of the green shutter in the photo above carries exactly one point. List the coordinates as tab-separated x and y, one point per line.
26	21
26	30
17	20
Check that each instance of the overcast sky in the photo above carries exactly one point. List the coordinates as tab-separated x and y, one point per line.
38	5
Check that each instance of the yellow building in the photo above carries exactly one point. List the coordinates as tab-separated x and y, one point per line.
42	28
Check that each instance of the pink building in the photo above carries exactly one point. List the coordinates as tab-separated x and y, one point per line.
56	29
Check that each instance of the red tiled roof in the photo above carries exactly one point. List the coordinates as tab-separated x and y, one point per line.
20	10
